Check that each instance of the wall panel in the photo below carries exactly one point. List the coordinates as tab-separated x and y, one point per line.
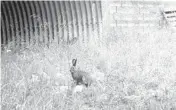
42	22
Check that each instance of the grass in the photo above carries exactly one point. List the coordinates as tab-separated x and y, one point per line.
133	70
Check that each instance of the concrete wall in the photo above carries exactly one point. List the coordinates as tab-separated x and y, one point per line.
140	14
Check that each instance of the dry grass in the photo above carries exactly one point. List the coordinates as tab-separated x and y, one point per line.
135	69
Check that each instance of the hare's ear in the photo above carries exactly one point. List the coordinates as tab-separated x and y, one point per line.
74	62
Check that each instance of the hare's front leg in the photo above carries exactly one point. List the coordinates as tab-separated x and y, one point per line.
79	81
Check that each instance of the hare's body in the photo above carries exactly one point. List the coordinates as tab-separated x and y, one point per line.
81	77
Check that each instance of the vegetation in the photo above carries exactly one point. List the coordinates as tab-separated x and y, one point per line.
133	69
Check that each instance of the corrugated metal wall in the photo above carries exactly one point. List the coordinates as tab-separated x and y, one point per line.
33	22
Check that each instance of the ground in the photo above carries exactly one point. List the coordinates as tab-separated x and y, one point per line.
132	69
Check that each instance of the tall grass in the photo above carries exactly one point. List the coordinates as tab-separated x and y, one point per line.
133	69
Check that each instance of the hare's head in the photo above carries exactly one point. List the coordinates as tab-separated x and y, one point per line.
72	69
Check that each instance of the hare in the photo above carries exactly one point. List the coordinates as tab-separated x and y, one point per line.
81	77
